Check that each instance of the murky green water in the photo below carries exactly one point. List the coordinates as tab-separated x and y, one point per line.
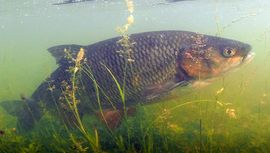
28	28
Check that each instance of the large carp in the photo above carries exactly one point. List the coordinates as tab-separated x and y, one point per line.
71	2
158	62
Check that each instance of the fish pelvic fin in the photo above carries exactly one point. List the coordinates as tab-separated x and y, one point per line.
60	52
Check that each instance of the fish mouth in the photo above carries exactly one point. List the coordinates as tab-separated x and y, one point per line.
248	58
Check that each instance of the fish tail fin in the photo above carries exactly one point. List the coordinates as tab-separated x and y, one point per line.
59	51
28	115
27	112
12	107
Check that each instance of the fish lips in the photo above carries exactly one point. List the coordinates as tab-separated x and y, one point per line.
248	58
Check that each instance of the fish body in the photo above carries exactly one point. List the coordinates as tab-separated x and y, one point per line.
158	62
71	2
172	1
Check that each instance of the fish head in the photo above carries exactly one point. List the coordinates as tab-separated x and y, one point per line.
208	56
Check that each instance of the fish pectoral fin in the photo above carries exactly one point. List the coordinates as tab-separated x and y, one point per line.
200	84
157	90
59	52
113	118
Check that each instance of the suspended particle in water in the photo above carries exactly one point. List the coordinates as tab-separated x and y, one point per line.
220	91
130	60
231	113
130	6
80	56
130	19
220	103
175	128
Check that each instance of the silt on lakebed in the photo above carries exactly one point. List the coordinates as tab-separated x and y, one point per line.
111	76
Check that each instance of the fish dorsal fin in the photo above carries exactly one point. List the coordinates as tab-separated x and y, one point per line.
59	51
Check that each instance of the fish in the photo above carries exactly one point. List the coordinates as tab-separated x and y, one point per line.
156	63
71	2
168	2
172	1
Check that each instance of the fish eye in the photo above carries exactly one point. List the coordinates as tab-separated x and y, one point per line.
229	52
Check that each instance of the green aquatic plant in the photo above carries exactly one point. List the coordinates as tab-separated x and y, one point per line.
72	102
70	91
32	147
225	136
